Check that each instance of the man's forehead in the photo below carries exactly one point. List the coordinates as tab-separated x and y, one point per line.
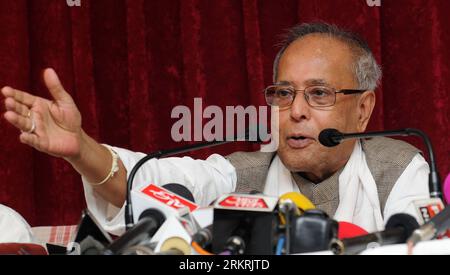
316	60
319	48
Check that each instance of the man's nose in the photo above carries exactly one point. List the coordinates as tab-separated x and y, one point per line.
300	108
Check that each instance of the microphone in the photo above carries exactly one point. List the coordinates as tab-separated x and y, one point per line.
173	246
348	230
312	231
160	203
398	229
432	229
171	199
244	223
447	189
252	134
295	200
180	190
204	236
292	205
235	245
149	222
332	137
91	246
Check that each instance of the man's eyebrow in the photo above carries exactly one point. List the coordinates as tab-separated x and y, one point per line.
284	82
316	82
307	83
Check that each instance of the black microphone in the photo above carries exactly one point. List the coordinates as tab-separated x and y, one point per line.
244	223
91	246
312	231
435	227
254	134
398	229
180	190
204	236
332	137
149	222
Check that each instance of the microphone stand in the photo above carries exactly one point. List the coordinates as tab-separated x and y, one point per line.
129	219
433	178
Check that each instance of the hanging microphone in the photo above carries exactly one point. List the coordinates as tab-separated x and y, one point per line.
398	229
256	134
332	137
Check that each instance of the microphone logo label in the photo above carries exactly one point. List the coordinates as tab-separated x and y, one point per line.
244	202
168	198
429	208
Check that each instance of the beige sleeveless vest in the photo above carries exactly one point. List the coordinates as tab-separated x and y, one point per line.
387	159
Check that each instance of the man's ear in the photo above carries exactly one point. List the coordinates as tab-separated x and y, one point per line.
366	103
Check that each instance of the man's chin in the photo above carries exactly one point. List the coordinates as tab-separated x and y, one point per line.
295	162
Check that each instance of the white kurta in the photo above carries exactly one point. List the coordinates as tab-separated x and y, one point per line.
13	228
210	178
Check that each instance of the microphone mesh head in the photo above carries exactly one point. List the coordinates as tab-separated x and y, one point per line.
405	221
180	190
326	137
159	217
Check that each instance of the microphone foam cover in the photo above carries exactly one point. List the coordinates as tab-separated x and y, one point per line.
180	190
408	222
159	217
176	243
326	137
300	200
350	230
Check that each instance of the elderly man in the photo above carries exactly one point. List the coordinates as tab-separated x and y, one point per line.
324	77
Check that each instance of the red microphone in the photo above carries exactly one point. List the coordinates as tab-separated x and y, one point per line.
350	230
398	229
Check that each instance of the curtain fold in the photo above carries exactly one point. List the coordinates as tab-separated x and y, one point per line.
128	63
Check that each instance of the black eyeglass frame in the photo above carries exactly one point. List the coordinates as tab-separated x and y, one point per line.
296	91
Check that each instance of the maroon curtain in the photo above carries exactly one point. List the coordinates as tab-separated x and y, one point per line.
128	63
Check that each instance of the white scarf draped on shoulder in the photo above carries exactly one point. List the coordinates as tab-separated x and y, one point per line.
358	195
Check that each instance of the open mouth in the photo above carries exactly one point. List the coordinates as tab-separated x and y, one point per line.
299	138
299	142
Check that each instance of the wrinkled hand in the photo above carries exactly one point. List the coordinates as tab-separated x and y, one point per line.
57	124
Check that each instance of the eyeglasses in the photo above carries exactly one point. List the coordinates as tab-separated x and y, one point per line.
282	96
